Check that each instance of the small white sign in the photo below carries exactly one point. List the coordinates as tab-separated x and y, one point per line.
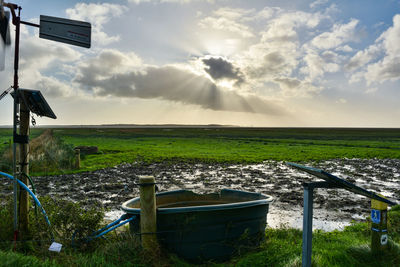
384	239
56	247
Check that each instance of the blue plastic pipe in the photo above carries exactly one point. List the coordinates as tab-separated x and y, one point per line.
113	226
30	193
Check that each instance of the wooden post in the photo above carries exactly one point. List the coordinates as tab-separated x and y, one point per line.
77	158
379	237
24	167
148	221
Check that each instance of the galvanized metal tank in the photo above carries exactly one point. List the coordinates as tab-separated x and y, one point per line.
201	227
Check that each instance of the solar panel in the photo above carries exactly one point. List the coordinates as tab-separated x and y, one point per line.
36	103
340	182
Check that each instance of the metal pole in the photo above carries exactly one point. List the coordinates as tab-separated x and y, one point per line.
15	184
308	217
16	22
24	115
307	224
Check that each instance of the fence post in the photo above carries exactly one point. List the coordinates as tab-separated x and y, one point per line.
77	158
148	220
379	237
24	167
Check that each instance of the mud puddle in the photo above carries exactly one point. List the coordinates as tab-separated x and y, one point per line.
333	208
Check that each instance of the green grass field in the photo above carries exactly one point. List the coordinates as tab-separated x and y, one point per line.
222	144
234	145
282	247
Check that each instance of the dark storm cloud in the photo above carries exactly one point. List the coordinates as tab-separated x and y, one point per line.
168	83
219	68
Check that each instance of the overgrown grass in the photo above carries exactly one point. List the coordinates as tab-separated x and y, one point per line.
47	154
281	247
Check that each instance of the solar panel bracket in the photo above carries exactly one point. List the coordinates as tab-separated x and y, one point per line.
21	139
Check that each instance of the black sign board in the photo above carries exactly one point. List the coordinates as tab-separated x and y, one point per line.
68	31
340	182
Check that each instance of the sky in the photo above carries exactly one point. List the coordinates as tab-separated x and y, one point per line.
232	62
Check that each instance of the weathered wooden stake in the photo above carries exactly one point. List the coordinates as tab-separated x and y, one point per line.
77	158
24	167
379	237
148	220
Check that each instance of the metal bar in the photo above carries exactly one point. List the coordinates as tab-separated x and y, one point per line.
308	217
322	185
30	24
307	225
16	21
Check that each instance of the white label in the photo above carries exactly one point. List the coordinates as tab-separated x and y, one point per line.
384	239
56	247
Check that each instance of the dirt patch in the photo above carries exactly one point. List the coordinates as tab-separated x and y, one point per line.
333	208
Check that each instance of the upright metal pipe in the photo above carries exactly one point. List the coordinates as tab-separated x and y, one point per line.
308	218
16	22
307	225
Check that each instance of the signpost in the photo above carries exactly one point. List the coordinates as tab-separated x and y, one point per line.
378	213
65	31
25	101
379	238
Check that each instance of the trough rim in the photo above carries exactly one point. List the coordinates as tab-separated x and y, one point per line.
265	200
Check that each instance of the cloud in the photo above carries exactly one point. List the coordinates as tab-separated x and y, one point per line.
380	61
110	62
39	54
319	63
228	19
387	68
345	48
361	58
318	3
38	58
340	34
266	13
341	101
52	87
167	1
168	83
293	87
219	69
279	53
284	28
98	15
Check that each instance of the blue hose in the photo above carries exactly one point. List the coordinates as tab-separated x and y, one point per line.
30	193
125	218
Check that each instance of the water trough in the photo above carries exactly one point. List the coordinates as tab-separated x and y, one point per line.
200	227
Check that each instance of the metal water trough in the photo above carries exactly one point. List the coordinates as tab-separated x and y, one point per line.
201	227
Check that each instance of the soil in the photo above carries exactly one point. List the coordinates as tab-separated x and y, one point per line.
333	208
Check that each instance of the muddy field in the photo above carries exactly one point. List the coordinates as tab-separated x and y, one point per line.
333	208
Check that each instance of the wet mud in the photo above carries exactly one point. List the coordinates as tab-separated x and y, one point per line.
333	208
